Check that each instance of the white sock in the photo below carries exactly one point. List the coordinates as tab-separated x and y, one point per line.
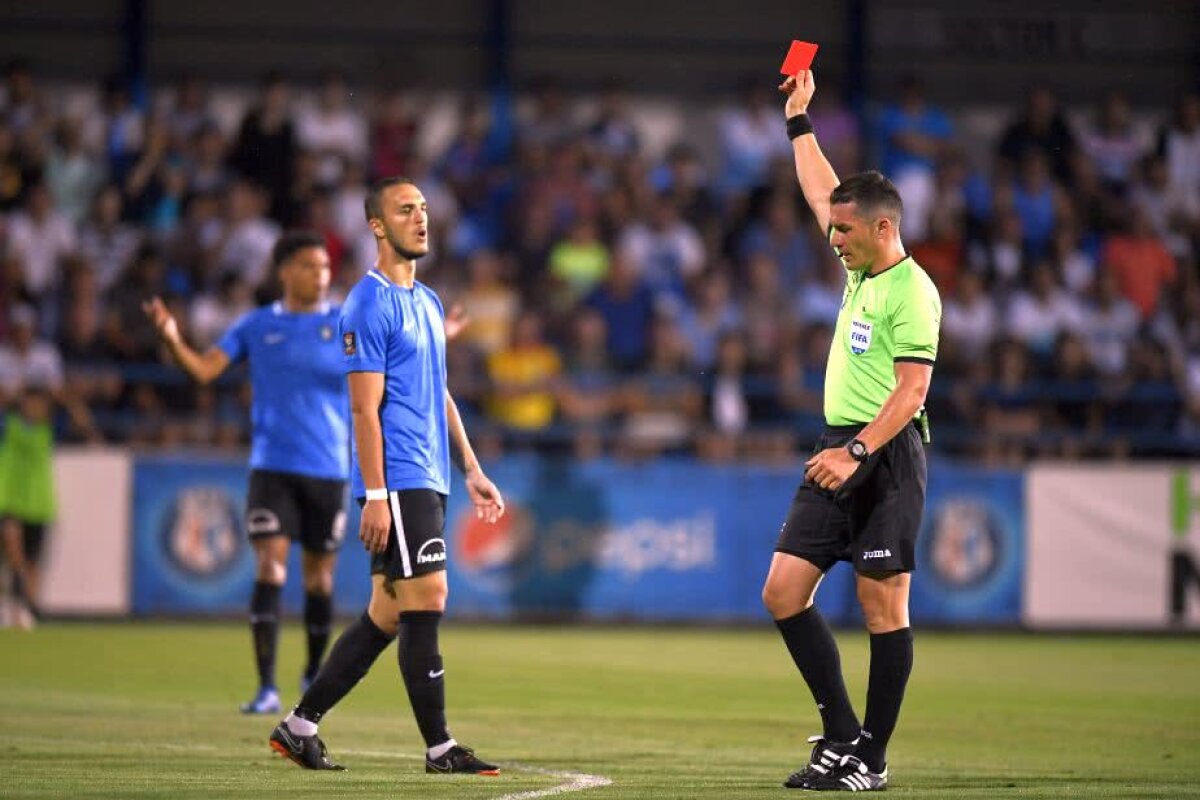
439	750
300	727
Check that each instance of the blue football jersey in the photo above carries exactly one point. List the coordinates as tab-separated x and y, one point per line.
300	413
401	333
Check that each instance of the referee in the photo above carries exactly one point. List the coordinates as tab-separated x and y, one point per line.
406	430
864	488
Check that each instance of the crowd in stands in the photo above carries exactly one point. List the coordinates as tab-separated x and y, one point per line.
620	302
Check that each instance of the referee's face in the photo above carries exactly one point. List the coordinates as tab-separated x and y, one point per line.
405	220
852	236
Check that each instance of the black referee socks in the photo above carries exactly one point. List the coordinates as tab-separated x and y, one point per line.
891	664
352	655
422	670
815	652
264	628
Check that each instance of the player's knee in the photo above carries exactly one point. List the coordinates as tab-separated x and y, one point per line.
781	600
271	570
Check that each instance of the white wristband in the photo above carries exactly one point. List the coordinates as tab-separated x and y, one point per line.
377	494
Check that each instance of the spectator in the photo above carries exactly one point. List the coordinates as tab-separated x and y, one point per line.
266	144
394	132
1143	266
663	404
1113	145
491	303
331	130
72	173
710	316
626	303
970	323
1039	315
244	246
580	261
105	241
749	140
41	237
667	251
1041	128
524	376
1179	147
913	136
1109	326
589	392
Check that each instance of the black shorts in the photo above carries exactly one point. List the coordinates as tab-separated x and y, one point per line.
33	539
416	545
312	511
874	526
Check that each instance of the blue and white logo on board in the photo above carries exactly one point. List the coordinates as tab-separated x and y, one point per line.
860	336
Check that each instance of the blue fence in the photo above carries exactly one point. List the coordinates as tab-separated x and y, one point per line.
667	540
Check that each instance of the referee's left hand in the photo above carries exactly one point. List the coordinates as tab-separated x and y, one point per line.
489	505
830	468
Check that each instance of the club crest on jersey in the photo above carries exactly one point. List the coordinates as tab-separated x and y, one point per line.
349	345
326	333
860	336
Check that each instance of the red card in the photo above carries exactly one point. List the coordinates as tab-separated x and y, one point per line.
800	57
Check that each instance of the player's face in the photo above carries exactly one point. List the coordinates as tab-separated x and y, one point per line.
405	220
854	238
305	275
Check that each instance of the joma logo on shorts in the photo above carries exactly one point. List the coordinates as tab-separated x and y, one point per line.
884	553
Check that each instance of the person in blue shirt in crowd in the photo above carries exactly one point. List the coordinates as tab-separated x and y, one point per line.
299	457
406	429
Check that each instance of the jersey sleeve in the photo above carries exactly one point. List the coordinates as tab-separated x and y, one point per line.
234	342
916	319
365	326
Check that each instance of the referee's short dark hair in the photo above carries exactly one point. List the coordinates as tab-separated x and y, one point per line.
293	242
375	192
872	192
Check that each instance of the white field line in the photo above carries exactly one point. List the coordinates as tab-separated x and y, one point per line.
572	781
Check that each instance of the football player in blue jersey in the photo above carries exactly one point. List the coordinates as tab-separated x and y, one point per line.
299	457
407	430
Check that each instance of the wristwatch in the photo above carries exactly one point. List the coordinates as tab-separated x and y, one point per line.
858	450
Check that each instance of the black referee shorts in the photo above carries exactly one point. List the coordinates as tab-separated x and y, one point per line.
875	525
311	511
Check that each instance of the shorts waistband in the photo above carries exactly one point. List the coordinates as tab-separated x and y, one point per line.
841	430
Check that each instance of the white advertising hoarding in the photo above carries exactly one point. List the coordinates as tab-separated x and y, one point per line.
86	561
1113	546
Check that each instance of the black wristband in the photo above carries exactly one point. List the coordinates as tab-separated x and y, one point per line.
799	125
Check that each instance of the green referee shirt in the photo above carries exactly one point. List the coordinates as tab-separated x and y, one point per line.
891	316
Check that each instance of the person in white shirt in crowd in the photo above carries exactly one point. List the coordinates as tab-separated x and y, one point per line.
1109	325
40	237
105	240
970	319
1037	315
332	129
667	251
244	247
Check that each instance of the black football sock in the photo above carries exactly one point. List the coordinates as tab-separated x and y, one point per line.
423	673
318	616
351	657
264	628
815	652
891	664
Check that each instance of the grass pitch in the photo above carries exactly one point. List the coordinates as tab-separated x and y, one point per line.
150	711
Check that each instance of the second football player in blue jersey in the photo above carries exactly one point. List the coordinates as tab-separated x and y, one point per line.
299	456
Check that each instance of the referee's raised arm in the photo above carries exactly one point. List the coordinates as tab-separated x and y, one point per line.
816	175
